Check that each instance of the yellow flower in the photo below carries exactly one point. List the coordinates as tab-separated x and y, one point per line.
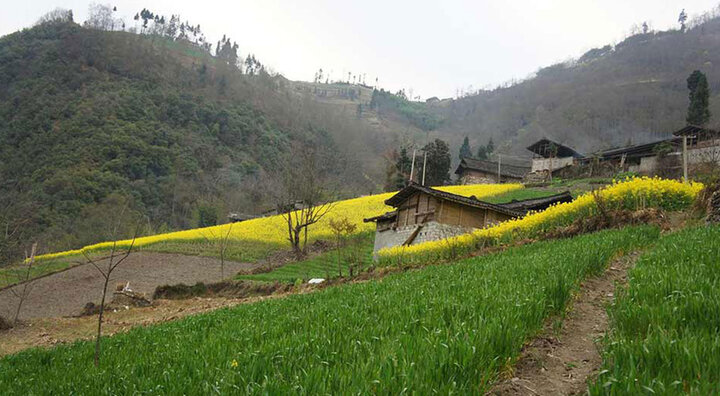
272	229
234	363
633	194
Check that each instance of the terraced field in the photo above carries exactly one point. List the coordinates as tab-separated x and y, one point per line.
665	336
443	329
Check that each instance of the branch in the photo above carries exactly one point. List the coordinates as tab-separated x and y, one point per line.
91	261
127	253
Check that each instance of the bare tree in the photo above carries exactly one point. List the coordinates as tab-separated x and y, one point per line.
221	244
117	256
100	17
341	228
21	292
58	15
301	195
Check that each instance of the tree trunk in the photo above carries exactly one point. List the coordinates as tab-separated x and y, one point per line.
100	318
17	313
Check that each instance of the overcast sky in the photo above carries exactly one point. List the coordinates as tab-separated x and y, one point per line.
432	47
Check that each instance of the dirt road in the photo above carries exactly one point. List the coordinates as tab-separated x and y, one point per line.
67	292
561	364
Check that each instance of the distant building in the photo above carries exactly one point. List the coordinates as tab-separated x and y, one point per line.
425	214
703	144
476	171
637	158
548	154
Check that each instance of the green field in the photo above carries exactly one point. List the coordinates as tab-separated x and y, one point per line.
440	329
665	336
325	265
523	193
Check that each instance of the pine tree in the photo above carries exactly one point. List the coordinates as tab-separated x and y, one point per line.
490	147
698	109
402	168
481	153
437	172
465	150
681	19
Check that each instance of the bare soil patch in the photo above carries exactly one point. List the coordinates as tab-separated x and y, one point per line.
560	363
229	289
66	293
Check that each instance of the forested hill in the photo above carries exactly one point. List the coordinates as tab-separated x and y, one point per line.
92	120
633	91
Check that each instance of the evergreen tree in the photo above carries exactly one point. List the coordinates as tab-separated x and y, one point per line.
465	150
489	148
481	153
402	168
698	109
437	172
681	19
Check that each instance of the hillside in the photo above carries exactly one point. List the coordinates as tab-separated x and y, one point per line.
92	121
632	91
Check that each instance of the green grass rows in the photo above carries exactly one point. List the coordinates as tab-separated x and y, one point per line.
440	329
359	251
665	336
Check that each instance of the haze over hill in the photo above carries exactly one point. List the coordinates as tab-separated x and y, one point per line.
94	119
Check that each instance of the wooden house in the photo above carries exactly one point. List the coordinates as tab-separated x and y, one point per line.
551	155
476	171
425	214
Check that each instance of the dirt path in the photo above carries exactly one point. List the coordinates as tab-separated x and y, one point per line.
67	292
560	364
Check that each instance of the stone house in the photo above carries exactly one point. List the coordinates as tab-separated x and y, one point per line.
425	214
476	171
550	156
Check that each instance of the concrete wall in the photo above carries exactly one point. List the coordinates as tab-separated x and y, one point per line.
703	154
539	164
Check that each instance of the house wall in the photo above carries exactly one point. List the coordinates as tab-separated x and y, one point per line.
417	208
431	231
478	177
442	219
704	154
540	164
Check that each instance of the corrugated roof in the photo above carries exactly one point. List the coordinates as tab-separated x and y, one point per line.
408	191
382	217
542	148
692	130
492	167
543	203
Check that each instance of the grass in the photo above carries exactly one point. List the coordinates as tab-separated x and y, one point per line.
442	329
323	265
11	275
665	334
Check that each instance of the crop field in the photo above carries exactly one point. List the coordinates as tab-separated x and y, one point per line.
665	336
270	231
250	240
359	251
631	194
444	329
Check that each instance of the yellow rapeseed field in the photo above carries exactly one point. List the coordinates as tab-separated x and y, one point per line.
272	229
635	193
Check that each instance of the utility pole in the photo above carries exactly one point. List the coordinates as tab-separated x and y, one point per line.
424	166
685	159
499	161
412	167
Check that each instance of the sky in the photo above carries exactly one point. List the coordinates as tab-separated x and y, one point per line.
429	48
